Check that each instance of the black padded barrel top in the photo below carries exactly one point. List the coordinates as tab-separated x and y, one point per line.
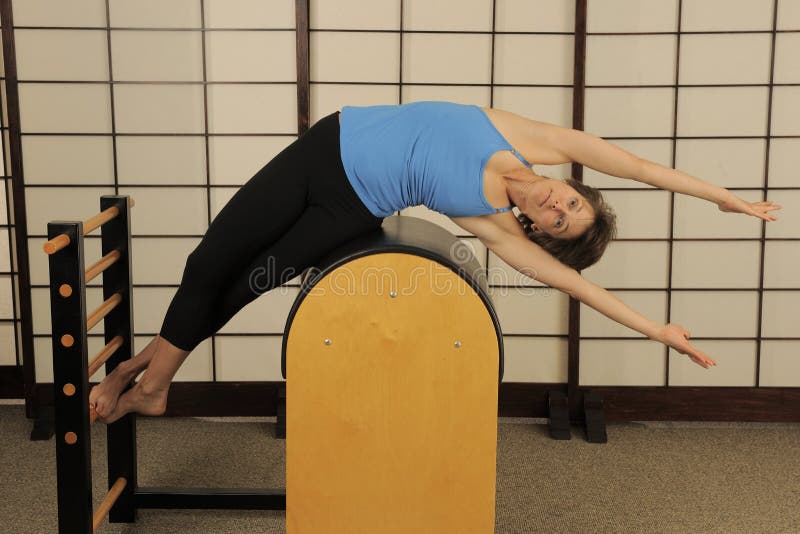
410	235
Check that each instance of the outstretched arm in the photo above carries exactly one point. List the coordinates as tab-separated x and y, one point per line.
598	154
550	144
533	261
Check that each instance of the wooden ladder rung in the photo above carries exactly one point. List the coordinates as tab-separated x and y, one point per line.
109	304
111	497
102	264
101	357
60	241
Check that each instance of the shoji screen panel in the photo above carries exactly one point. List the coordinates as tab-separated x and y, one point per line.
532	75
510	54
252	115
690	84
67	146
355	54
175	103
780	346
10	345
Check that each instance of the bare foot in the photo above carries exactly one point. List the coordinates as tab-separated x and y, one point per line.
104	396
138	400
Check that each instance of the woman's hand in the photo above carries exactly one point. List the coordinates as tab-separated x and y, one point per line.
733	204
677	337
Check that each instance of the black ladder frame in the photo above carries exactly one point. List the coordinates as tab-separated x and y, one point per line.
70	369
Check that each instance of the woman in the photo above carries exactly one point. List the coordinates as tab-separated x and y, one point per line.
350	170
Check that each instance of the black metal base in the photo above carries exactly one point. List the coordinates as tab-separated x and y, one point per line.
595	419
559	415
44	425
280	428
211	498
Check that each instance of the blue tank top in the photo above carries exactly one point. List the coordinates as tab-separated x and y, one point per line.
429	153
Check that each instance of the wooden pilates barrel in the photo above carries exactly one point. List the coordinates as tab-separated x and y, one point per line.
393	355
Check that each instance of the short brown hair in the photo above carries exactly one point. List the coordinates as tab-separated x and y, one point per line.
585	250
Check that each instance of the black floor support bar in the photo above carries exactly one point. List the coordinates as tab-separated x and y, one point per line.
211	498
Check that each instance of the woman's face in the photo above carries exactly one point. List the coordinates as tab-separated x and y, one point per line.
557	209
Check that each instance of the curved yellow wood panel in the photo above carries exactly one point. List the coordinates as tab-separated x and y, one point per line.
391	427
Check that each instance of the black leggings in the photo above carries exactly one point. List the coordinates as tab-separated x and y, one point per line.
291	213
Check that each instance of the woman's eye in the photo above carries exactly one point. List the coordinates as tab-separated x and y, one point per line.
573	202
558	222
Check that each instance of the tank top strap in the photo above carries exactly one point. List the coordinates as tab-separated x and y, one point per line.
519	157
524	162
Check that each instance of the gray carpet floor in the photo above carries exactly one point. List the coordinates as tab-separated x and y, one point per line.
649	477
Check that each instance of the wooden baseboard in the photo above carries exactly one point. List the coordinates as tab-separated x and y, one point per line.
228	399
701	404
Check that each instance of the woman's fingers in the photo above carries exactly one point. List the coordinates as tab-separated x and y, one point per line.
698	356
703	359
768	218
760	208
764	206
756	209
763	215
677	337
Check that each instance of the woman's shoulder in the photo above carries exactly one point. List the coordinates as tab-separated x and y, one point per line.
533	139
506	121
